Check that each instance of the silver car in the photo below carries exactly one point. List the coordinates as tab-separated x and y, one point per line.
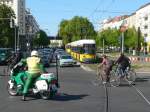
66	60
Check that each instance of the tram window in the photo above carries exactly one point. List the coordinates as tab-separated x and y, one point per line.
90	49
82	50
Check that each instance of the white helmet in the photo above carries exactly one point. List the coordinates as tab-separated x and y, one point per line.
34	53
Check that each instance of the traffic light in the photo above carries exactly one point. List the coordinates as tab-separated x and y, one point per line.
11	23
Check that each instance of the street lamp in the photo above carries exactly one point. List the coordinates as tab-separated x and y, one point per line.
103	46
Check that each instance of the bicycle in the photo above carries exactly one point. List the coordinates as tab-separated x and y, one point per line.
116	75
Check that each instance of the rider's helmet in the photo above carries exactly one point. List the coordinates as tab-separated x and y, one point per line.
34	53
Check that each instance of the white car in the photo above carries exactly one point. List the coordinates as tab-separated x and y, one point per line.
66	60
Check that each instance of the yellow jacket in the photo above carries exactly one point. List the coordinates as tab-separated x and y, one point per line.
33	65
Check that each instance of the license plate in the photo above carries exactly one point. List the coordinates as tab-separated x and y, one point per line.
47	75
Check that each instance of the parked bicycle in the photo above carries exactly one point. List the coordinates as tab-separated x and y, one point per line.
117	75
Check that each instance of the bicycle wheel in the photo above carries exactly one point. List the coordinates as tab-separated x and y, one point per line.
131	76
114	79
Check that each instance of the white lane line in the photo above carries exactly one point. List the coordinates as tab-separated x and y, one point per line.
140	92
142	95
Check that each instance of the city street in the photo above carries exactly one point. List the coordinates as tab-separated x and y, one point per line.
78	92
77	41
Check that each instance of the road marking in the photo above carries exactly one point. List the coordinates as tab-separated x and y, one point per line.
141	94
86	68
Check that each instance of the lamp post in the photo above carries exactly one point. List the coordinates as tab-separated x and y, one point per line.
103	46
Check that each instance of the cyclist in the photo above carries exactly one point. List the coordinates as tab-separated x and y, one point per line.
106	67
123	62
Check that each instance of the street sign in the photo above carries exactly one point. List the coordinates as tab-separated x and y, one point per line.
122	28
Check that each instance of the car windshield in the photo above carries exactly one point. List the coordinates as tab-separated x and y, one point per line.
66	57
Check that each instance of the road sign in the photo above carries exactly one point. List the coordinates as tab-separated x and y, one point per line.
122	28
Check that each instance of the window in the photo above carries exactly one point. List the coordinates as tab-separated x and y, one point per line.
89	48
145	27
146	18
145	35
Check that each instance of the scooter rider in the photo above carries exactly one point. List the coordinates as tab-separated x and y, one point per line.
35	68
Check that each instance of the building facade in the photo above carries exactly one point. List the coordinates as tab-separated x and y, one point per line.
32	28
19	9
25	22
139	19
143	21
31	24
115	22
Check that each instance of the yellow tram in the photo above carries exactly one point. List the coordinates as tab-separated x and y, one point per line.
82	50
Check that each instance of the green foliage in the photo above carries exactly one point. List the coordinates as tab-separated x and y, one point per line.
41	39
131	38
75	29
112	37
6	33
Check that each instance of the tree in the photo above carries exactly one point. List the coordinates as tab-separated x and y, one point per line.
41	39
75	29
6	33
131	38
110	36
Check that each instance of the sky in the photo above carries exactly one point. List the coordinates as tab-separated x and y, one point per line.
49	13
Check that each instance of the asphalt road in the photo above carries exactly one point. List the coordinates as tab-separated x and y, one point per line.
78	93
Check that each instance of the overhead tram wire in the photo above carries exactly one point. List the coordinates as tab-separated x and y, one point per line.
95	11
100	2
107	11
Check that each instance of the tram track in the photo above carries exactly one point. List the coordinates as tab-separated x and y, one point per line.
132	87
107	98
140	93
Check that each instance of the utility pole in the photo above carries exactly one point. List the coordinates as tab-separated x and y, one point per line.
138	41
122	45
103	46
122	30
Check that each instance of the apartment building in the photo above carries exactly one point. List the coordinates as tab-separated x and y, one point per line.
24	21
32	27
143	21
31	24
19	9
139	19
115	22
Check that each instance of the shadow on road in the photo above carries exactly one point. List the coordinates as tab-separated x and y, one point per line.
67	97
62	97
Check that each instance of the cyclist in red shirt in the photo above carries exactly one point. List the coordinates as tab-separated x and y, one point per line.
106	67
